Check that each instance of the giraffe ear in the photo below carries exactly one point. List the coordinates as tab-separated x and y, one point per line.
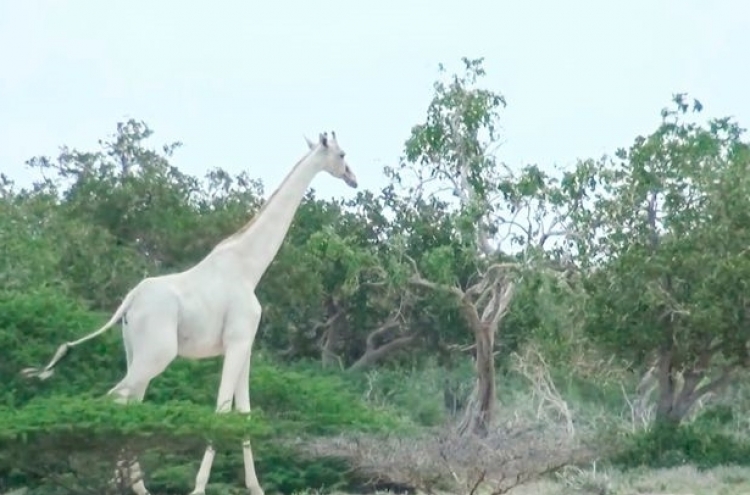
324	139
309	143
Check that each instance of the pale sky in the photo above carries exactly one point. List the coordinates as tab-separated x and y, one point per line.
240	83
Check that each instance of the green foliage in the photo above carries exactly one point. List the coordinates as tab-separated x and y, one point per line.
32	324
95	423
29	257
457	119
667	445
66	415
671	241
419	393
169	437
686	268
285	471
319	402
651	262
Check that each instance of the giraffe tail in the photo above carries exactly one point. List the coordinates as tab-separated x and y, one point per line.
47	371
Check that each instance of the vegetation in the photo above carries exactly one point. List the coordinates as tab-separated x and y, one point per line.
471	326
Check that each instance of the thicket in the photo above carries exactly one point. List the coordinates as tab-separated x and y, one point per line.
412	338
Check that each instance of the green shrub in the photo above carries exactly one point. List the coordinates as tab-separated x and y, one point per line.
32	325
419	394
76	442
663	446
97	423
64	430
320	402
279	468
716	416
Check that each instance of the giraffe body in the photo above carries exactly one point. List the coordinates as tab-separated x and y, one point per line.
211	308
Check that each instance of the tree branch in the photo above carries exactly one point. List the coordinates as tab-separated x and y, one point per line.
373	355
502	302
371	346
724	378
330	321
418	280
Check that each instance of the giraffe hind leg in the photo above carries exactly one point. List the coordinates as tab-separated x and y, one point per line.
128	472
147	357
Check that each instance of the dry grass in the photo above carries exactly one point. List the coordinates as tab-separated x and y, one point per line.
538	448
682	480
545	437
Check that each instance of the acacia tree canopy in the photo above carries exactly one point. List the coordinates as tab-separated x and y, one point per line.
668	252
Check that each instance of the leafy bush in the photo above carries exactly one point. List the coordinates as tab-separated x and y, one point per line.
32	324
65	431
76	442
60	422
664	446
421	394
320	402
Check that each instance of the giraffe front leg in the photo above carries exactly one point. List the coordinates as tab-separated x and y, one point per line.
251	478
242	405
234	359
204	471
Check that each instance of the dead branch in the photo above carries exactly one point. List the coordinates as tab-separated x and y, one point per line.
534	368
461	348
446	462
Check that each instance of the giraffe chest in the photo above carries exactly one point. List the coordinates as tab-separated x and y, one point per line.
206	302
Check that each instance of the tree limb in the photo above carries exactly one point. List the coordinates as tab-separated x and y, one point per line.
373	355
371	346
724	378
418	280
503	302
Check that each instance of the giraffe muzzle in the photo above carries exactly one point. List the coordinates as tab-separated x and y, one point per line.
350	180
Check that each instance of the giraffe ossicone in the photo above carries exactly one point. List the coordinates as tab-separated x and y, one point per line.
211	308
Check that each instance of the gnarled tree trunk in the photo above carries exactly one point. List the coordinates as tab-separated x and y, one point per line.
483	306
480	410
679	391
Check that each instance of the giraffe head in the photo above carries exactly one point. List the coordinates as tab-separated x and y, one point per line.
332	158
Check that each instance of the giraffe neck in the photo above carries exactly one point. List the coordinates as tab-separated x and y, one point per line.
256	244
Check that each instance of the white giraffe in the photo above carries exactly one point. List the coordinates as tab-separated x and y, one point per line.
211	309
